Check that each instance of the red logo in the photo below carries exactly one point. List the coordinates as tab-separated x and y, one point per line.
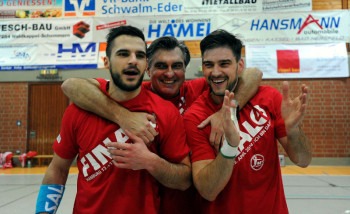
80	29
288	61
309	20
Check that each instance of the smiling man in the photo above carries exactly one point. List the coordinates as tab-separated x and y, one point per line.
244	176
117	172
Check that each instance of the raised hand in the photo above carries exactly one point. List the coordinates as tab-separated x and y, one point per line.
293	110
231	133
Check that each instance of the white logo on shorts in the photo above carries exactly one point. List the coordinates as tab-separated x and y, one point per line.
257	162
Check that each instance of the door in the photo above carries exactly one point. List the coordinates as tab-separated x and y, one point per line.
47	104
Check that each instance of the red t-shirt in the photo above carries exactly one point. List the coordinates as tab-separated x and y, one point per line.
255	185
102	187
176	201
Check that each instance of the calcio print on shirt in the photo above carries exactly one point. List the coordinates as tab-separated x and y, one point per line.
253	131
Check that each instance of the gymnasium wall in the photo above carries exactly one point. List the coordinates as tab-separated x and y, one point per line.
327	122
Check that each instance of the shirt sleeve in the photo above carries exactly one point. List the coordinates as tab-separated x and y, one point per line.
198	139
65	144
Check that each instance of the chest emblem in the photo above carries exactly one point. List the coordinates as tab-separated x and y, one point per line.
257	162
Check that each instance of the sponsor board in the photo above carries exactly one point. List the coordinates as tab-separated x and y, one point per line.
63	30
299	61
30	9
193	27
48	56
289	28
139	8
222	6
287	5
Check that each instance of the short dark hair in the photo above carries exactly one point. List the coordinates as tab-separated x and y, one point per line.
167	43
222	38
122	30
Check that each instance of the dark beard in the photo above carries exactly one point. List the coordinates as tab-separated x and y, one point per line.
117	80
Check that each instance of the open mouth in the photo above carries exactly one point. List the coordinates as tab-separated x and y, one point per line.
131	72
218	80
168	81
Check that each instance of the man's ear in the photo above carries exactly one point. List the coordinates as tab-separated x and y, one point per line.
106	62
240	66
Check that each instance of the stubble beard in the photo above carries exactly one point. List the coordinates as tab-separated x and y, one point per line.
117	80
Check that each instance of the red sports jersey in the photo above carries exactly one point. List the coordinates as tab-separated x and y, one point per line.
176	201
256	183
102	187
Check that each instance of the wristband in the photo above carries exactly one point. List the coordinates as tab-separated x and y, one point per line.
49	198
228	151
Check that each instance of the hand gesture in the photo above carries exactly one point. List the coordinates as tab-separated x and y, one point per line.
293	110
133	156
231	134
217	130
140	124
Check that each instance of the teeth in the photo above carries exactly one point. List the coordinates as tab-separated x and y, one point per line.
218	81
168	81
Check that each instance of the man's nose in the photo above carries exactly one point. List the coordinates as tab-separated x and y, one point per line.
169	73
133	59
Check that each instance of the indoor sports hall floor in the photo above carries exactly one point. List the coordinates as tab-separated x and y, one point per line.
314	190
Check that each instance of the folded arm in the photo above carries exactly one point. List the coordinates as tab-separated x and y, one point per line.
137	156
86	94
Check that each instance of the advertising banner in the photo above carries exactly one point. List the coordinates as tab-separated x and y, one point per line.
287	5
48	56
299	61
139	8
30	8
194	27
289	28
223	6
20	31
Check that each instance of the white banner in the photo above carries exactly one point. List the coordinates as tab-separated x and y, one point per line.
194	27
299	61
288	27
287	5
30	9
139	8
222	6
60	30
48	56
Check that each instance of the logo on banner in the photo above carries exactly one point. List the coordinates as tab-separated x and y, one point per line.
111	25
226	2
79	7
327	25
80	29
288	61
310	20
21	55
76	50
180	29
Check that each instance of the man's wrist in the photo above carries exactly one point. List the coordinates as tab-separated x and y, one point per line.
228	151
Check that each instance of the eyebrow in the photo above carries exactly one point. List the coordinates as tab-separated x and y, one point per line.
126	50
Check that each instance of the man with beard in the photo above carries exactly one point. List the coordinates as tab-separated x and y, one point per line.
244	176
117	172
